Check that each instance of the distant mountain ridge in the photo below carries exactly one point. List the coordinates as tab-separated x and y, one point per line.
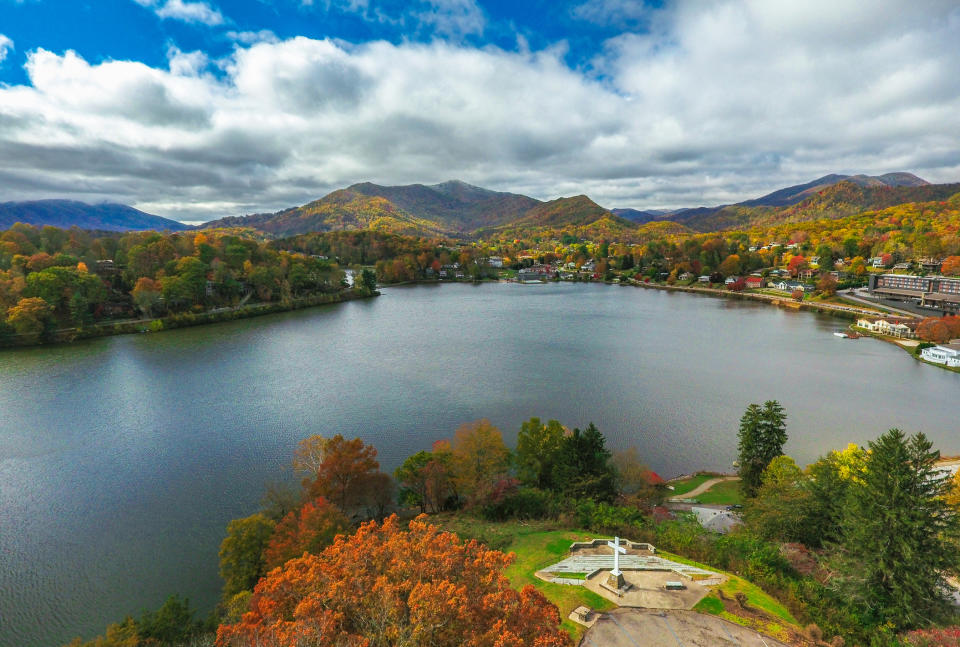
71	213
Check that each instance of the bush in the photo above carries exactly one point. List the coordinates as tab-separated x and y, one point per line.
522	503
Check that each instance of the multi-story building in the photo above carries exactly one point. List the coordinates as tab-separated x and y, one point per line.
927	291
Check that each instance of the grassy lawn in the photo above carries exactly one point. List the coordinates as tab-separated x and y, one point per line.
723	493
683	486
536	545
782	619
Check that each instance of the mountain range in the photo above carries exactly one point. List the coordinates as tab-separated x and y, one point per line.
456	209
70	213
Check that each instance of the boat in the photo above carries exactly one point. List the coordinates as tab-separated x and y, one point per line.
841	334
847	335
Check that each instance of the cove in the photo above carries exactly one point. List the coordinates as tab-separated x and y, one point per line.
122	459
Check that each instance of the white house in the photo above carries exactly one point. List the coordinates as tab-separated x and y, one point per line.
946	355
496	261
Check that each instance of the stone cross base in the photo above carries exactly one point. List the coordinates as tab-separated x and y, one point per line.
616	582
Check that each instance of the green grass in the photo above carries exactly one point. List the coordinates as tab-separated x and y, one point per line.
723	493
683	486
755	595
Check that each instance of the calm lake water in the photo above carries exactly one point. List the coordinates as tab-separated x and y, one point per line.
123	459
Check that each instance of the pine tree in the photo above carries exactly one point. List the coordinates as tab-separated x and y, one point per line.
763	432
899	534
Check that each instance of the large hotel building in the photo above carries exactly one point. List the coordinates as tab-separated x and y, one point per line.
927	291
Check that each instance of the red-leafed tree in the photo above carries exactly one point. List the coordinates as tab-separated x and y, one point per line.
796	264
951	266
385	586
307	530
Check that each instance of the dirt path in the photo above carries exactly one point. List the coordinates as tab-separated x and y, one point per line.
706	485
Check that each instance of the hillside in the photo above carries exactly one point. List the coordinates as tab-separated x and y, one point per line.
70	213
341	210
800	192
841	199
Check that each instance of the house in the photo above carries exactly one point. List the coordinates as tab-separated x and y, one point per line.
704	279
686	276
902	266
755	282
891	327
876	261
495	261
790	286
807	274
948	355
730	280
589	266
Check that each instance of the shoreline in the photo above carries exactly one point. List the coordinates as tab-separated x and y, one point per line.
184	320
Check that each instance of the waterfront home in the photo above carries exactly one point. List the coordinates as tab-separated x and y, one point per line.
704	279
730	280
589	266
754	282
495	261
948	355
790	286
893	327
686	276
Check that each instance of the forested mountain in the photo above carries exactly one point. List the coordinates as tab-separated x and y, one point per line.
70	213
453	209
838	200
800	192
454	205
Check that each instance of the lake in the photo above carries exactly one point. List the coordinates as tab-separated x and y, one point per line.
123	459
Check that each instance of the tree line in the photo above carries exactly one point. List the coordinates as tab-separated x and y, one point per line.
53	278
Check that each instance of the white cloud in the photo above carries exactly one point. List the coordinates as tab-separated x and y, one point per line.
619	13
6	46
185	10
718	102
251	37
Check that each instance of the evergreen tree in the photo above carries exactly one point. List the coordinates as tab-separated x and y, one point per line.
583	468
763	432
899	535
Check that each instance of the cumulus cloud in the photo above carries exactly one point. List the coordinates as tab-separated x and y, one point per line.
715	102
185	10
6	45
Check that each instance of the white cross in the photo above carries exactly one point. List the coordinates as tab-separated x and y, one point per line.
617	549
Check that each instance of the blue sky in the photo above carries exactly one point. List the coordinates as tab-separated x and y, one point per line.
197	109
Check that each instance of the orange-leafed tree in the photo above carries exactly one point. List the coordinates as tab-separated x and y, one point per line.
344	472
307	530
385	586
933	329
